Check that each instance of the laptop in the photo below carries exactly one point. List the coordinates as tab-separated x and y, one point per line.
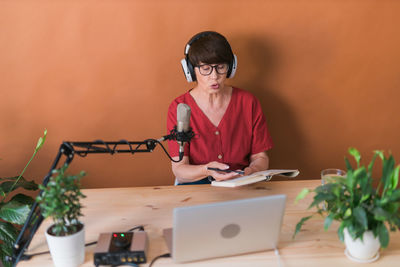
225	228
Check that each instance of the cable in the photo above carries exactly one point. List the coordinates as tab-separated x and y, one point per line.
279	257
166	152
140	227
166	255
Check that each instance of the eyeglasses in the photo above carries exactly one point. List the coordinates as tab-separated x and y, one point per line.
207	69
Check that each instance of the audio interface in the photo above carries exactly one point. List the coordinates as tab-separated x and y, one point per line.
121	248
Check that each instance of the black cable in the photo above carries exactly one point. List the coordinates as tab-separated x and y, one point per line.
91	243
166	152
140	227
166	255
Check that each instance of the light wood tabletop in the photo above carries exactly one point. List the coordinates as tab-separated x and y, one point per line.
119	209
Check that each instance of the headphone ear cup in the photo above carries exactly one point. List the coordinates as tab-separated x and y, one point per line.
233	67
188	70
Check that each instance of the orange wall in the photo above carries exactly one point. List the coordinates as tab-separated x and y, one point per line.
326	73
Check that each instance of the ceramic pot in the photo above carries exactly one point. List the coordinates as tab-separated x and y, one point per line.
67	251
366	250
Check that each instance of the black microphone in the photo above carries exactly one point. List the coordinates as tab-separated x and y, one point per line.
182	126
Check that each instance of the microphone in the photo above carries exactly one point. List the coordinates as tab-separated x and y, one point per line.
182	126
182	132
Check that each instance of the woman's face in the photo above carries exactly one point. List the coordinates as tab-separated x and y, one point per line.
214	82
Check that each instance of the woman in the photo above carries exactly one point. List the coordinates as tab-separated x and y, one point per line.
231	132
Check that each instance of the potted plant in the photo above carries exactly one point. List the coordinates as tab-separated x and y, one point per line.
60	200
366	213
14	208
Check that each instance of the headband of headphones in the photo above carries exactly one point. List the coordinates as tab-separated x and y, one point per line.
188	68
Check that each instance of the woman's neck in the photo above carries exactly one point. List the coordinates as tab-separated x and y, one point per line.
213	100
213	105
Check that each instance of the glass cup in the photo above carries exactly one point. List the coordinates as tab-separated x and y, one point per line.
327	174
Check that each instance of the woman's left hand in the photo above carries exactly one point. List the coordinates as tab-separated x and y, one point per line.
258	162
248	171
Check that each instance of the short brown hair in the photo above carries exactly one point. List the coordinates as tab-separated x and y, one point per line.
211	48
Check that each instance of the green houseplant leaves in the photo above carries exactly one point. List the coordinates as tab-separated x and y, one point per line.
356	203
60	200
14	210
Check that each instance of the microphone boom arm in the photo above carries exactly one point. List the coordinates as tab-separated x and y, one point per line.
82	149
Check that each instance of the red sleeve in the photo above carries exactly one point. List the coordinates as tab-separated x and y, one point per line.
262	140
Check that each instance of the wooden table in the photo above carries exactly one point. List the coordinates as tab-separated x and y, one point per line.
113	210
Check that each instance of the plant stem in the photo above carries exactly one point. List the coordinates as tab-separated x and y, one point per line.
19	177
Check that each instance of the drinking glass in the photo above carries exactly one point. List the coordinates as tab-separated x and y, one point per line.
326	176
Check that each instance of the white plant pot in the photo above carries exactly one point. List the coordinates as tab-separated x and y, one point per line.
67	251
362	251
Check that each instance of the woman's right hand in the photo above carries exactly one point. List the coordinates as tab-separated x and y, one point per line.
219	176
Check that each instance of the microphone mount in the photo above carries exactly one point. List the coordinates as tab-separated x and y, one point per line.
180	136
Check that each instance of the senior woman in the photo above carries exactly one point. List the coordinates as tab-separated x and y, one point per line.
230	127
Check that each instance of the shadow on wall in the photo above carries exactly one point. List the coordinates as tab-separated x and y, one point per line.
258	66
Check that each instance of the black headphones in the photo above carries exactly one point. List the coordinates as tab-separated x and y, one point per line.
188	68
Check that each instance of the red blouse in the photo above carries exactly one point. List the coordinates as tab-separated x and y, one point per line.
242	132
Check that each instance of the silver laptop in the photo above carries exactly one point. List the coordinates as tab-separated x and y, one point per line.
225	228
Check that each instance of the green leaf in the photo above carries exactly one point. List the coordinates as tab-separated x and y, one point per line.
5	254
5	250
8	232
8	235
41	141
354	152
302	195
350	180
395	196
7	186
395	177
14	212
380	214
380	154
340	230
348	165
371	164
360	175
300	224
361	216
23	199
347	213
365	197
321	197
387	169
328	221
383	235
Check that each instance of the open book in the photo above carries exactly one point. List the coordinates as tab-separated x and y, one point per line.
255	177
